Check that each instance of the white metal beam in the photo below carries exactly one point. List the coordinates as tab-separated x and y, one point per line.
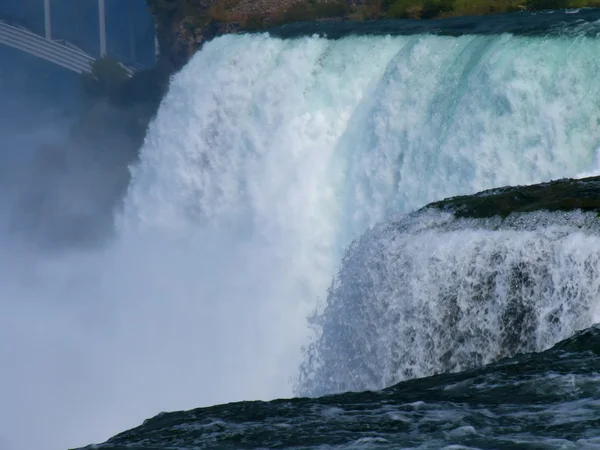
47	20
102	22
52	51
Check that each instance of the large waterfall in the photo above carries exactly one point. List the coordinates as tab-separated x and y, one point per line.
267	158
315	139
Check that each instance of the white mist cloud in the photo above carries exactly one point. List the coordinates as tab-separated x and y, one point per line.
96	338
95	342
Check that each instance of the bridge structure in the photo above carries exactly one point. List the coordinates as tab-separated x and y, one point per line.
14	32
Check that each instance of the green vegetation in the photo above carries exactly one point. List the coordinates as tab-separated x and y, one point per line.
193	13
119	104
312	10
106	79
417	9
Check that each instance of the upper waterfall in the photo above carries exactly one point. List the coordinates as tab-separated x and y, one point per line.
269	156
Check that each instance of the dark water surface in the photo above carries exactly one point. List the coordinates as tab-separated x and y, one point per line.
549	400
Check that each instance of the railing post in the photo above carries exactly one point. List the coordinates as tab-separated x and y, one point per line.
102	22
47	20
132	32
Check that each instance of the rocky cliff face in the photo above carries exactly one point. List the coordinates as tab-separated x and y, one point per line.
184	25
249	8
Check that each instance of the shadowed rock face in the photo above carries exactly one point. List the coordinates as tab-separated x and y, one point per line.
559	195
262	7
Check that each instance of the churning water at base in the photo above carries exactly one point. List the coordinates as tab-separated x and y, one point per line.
266	159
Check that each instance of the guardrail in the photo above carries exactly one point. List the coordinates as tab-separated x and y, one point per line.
62	54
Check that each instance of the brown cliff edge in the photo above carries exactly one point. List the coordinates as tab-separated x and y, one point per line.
185	24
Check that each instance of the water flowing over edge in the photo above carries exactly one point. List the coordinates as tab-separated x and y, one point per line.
431	294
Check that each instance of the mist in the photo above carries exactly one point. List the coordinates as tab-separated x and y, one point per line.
59	189
102	328
104	324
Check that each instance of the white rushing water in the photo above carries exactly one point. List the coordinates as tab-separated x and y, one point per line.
267	157
431	294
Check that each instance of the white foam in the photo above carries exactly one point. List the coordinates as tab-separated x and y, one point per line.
426	296
595	170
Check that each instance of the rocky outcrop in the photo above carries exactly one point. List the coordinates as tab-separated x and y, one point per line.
559	195
250	8
183	26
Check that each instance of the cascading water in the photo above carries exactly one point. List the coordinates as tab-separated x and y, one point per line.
285	150
280	134
430	294
266	159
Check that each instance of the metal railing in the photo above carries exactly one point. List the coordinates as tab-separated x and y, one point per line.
61	53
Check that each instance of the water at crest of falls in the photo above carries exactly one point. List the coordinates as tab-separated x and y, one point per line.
266	159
